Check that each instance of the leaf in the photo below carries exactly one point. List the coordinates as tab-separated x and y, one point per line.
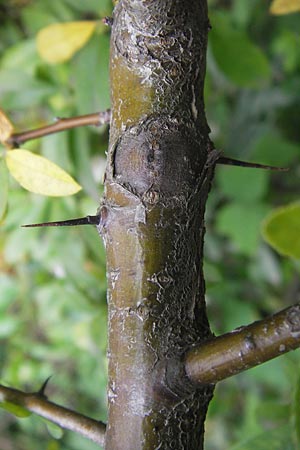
37	174
58	42
54	430
16	410
237	57
19	89
8	326
272	411
284	6
275	439
286	46
281	229
243	184
275	150
241	223
102	8
3	188
6	127
296	413
95	58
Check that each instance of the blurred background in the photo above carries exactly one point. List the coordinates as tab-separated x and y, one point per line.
52	281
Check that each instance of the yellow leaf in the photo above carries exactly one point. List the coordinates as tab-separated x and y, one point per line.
6	128
284	6
58	42
37	174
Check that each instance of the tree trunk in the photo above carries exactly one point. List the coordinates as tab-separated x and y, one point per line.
160	167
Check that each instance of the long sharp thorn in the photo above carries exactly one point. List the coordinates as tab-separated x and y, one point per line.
41	391
237	162
88	220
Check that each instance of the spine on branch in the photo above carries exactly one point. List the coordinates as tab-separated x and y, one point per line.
160	167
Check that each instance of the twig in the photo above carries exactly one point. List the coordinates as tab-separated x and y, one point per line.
65	418
61	124
244	347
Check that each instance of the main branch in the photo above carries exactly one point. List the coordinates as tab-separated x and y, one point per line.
159	172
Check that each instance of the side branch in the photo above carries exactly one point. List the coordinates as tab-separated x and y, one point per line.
61	124
65	418
244	347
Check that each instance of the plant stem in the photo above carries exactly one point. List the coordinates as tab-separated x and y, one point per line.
245	347
159	172
65	418
61	124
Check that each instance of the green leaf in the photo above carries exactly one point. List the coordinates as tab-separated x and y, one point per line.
242	184
39	15
242	11
53	445
286	46
93	59
103	8
82	161
32	92
271	374
37	174
296	413
8	326
241	223
272	411
3	188
274	150
276	439
8	292
16	410
281	229
23	54
238	58
54	430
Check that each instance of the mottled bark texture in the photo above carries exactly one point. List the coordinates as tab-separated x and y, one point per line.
160	167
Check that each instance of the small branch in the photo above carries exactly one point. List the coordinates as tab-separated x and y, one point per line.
61	124
65	418
244	347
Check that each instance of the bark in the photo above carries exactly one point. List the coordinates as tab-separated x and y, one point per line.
160	167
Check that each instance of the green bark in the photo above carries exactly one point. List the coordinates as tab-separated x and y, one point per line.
160	167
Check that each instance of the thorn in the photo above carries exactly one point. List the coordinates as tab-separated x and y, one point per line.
236	162
88	220
41	391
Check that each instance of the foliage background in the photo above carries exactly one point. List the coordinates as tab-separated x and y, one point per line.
52	281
